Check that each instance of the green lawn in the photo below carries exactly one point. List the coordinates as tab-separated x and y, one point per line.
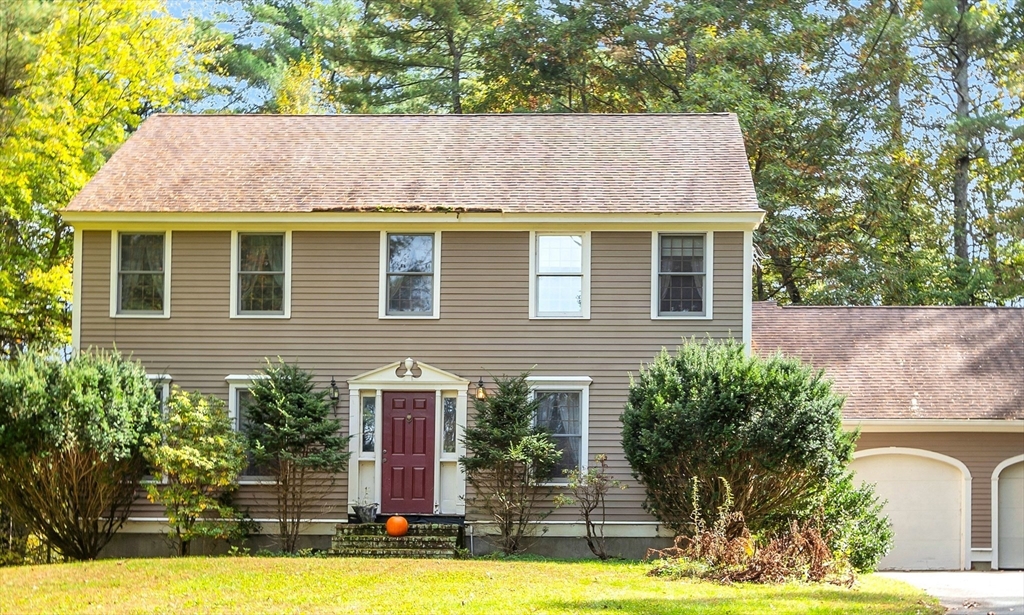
259	585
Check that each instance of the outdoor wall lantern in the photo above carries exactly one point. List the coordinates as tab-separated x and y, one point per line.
481	392
334	392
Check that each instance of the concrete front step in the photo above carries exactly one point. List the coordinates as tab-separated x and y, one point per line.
396	553
405	542
371	540
417	529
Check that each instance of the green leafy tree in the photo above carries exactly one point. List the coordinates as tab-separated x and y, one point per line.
507	461
770	427
72	436
857	527
200	456
292	436
76	77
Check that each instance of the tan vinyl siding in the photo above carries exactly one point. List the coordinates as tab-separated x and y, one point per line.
980	452
484	324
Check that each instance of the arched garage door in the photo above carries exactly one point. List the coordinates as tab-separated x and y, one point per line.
925	505
1011	517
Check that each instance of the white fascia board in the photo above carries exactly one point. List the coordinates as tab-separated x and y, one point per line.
934	425
399	221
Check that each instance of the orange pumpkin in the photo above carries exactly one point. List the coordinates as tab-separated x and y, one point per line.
397	526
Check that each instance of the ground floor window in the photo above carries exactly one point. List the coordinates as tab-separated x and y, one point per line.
563	413
239	404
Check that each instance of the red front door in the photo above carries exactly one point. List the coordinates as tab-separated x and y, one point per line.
408	453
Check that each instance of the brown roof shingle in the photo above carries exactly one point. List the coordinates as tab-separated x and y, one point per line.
512	163
907	362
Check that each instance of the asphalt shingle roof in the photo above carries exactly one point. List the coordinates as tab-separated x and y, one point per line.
511	163
907	362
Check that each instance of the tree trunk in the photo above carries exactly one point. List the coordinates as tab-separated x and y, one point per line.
456	76
962	163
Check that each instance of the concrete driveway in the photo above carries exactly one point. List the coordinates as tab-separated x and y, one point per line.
999	592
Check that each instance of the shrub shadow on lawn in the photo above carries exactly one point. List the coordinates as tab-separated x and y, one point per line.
791	600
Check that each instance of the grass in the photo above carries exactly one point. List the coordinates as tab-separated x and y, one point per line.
251	585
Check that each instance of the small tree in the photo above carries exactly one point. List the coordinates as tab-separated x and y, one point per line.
770	427
71	442
292	436
201	456
858	528
507	459
588	490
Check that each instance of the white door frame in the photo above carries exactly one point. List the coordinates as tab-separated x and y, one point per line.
407	375
995	505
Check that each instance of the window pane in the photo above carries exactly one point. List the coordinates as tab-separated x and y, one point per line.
410	294
559	294
559	413
448	426
682	254
570	447
559	254
261	292
142	292
261	253
369	423
410	253
682	293
142	252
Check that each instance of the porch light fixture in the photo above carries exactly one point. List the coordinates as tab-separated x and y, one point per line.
481	392
334	392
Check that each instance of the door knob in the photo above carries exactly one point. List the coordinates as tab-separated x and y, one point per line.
408	418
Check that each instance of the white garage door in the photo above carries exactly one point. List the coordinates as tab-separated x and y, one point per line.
1011	517
925	505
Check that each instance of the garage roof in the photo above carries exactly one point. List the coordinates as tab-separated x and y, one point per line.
906	362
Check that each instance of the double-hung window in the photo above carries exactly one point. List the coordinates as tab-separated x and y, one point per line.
563	413
261	277
239	404
680	282
141	275
559	276
409	275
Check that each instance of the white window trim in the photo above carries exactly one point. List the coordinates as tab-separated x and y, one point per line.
164	380
584	313
709	269
115	277
382	299
569	383
238	383
234	313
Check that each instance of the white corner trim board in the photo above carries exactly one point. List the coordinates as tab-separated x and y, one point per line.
995	505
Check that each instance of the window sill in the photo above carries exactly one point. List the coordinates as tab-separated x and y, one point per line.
409	317
682	317
256	481
261	316
545	317
142	316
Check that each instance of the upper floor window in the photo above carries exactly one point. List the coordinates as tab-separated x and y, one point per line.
560	267
409	275
681	265
260	284
142	274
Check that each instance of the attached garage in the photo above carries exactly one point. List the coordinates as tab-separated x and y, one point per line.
927	505
1009	508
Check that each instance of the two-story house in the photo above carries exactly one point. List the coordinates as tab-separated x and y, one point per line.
405	259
